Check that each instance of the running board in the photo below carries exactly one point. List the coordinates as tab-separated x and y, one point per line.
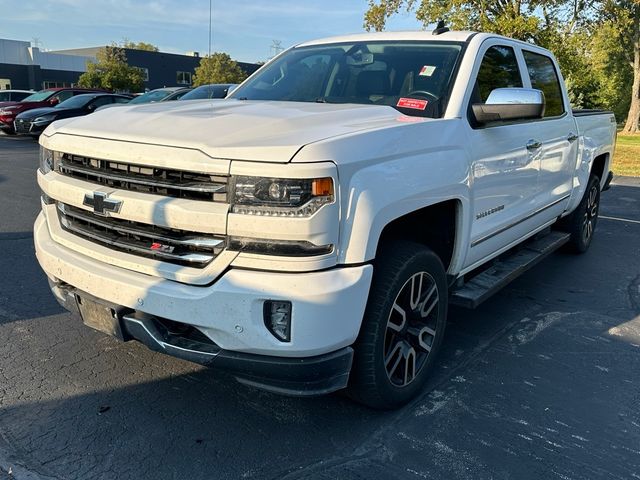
502	272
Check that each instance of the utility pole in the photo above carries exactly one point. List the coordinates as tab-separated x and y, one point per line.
276	48
210	17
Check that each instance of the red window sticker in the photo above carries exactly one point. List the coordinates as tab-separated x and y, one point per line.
413	103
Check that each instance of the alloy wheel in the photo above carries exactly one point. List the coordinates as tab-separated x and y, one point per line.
411	329
590	215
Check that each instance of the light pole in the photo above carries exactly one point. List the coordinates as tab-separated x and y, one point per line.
210	10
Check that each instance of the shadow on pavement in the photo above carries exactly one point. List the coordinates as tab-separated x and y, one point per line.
24	292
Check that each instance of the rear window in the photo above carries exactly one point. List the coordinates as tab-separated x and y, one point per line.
544	77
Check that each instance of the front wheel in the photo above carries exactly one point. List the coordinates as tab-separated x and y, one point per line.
402	328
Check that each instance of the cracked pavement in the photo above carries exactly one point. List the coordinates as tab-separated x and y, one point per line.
539	382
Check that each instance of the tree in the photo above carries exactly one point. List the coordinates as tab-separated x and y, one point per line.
218	68
149	47
522	19
621	19
111	72
596	42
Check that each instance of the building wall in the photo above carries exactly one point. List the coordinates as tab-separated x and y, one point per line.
162	67
29	68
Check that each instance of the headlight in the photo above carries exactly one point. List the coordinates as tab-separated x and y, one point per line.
48	160
280	197
44	118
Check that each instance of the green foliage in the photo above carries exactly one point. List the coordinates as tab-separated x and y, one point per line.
149	47
218	68
111	72
592	39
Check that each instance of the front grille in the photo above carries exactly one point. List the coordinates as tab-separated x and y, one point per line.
159	181
165	244
22	126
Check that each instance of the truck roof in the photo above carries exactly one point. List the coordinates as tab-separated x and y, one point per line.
424	35
413	35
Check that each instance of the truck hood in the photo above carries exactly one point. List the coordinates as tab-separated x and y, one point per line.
231	129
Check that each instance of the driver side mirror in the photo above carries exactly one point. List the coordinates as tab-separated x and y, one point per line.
54	101
508	104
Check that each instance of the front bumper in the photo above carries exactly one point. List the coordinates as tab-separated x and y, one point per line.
327	311
6	124
307	376
27	127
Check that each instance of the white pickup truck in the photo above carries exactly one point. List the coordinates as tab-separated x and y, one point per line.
308	233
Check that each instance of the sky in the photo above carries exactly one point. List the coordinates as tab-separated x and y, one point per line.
245	29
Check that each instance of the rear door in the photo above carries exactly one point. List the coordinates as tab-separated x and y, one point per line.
504	172
556	133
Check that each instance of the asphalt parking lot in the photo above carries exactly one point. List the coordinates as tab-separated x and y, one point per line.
541	382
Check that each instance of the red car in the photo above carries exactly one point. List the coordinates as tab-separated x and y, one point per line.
44	98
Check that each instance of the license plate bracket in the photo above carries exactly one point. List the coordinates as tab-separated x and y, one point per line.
100	316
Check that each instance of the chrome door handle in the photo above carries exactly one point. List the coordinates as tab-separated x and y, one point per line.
534	144
572	137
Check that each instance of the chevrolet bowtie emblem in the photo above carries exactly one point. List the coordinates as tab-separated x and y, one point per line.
101	204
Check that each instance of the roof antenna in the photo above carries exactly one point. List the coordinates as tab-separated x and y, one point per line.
440	28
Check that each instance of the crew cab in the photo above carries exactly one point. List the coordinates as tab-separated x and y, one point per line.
309	232
49	97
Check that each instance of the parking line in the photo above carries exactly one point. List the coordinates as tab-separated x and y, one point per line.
619	219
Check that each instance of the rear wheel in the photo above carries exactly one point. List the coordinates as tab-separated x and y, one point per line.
402	328
581	223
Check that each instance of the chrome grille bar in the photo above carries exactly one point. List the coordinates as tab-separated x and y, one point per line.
169	245
156	180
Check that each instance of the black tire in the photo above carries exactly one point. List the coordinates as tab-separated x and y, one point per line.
581	223
401	270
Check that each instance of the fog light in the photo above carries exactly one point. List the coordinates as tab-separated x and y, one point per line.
277	318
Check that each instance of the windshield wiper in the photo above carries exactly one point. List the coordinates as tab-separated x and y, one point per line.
322	100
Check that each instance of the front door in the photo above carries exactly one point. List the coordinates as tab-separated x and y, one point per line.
504	166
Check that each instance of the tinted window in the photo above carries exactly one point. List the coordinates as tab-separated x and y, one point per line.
78	101
499	69
152	96
121	99
544	77
101	101
17	96
5	96
64	95
208	91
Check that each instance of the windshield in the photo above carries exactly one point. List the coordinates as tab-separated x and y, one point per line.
413	77
152	96
39	96
78	101
208	91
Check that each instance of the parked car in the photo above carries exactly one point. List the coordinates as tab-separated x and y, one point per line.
214	90
44	98
14	95
309	232
33	122
158	95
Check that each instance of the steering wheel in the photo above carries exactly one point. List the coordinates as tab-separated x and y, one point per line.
422	93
